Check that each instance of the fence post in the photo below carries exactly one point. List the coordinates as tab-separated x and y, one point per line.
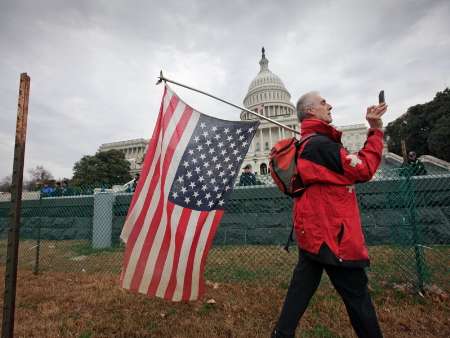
102	222
418	250
38	241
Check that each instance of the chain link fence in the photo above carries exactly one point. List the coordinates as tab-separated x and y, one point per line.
406	220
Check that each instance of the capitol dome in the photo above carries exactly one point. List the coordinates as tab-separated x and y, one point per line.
267	92
267	96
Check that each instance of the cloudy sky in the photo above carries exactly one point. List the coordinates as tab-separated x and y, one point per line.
93	64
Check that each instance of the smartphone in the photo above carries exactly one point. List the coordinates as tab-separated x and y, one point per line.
381	97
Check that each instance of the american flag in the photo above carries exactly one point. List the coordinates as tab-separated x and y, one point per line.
188	174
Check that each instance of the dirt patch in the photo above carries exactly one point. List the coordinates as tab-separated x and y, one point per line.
59	304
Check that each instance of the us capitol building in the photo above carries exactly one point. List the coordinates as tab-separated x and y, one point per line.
267	96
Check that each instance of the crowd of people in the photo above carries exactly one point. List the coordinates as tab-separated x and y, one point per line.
55	189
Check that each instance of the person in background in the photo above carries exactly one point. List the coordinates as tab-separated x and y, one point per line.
135	182
47	190
413	166
247	177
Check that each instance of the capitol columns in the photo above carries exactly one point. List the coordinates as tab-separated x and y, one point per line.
270	138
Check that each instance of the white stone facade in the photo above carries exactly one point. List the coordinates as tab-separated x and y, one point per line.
134	151
353	136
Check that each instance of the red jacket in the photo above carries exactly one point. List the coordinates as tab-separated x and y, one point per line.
326	217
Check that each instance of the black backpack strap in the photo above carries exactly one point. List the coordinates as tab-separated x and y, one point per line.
291	238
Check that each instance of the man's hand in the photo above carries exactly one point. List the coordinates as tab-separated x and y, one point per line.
374	114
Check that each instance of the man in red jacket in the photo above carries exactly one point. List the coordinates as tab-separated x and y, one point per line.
326	217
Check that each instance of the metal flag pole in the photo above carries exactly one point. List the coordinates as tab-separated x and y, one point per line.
162	78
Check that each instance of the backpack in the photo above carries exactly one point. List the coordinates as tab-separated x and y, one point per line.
283	166
283	169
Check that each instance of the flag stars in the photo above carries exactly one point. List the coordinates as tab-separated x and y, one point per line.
208	168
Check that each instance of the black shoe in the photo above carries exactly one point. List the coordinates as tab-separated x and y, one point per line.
278	334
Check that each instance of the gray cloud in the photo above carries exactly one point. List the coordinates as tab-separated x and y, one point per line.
93	64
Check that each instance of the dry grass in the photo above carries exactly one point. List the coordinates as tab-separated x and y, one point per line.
77	295
58	304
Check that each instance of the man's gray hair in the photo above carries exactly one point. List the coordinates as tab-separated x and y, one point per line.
304	103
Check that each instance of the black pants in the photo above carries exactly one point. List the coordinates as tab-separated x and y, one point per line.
350	283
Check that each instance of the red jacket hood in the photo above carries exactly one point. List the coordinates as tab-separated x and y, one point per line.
310	126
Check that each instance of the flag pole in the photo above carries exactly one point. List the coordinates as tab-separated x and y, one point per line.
163	78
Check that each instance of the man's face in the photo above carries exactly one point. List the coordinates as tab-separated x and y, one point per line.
412	156
321	109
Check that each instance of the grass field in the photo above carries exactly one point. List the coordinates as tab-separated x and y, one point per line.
268	265
76	294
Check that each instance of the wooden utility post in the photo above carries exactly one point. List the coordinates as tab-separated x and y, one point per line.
404	153
9	298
